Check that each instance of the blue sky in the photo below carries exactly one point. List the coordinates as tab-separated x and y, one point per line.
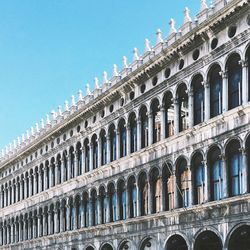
49	49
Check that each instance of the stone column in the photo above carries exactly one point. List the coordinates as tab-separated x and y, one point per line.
244	171
56	173
83	160
244	82
150	198
176	191
108	149
56	224
68	217
163	122
150	128
138	134
90	212
176	116
118	144
13	193
50	176
35	183
38	225
62	224
99	141
191	108
76	167
62	170
190	185
127	203
25	188
69	166
75	218
206	181
1	238
207	100
12	232
225	193
91	155
49	222
128	139
39	181
44	225
99	210
17	191
34	228
82	213
118	205
20	232
224	91
30	185
138	197
45	172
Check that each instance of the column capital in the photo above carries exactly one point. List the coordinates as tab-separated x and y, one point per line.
243	63
243	150
223	74
222	157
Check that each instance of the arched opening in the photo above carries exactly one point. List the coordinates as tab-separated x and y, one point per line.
122	137
198	103
156	120
94	145
71	214
247	152
133	132
148	243
36	184
121	193
183	183
208	240
240	239
78	212
51	220
87	155
64	215
168	187
155	184
112	137
103	147
169	114
176	242
65	166
182	98
234	168
107	246
234	70
215	174
53	172
248	72
79	158
86	207
198	178
132	193
112	202
94	208
144	126
125	245
143	192
59	169
90	248
215	81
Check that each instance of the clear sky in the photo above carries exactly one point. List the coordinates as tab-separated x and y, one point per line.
49	49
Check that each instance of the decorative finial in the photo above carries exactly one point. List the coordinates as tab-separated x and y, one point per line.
59	110
73	102
23	137
14	144
42	123
47	120
124	62
18	141
135	55
96	83
66	106
87	89
187	17
37	128
27	134
147	46
10	146
53	114
203	5
172	26
115	71
32	131
80	95
104	77
158	36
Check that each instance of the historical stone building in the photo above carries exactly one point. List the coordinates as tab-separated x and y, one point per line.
156	158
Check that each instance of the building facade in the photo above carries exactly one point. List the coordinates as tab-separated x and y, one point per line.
156	158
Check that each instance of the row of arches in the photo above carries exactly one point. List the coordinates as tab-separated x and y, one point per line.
192	105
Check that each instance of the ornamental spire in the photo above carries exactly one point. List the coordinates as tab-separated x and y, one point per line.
47	119
135	55
42	123
37	128
124	62
159	36
115	72
104	77
203	5
87	89
96	83
73	102
80	95
187	17
147	46
172	26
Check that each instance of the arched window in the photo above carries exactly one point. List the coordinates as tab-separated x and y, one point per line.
240	238
102	206
132	193
248	73
59	169
156	120
198	178
216	174
215	81
176	242
87	155
95	151
198	107
65	166
72	162
169	114
104	147
112	135
168	187
143	192
133	133
234	70
86	209
77	211
182	107
208	240
112	202
183	183
122	200
123	138
94	208
52	169
235	172
144	127
79	158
